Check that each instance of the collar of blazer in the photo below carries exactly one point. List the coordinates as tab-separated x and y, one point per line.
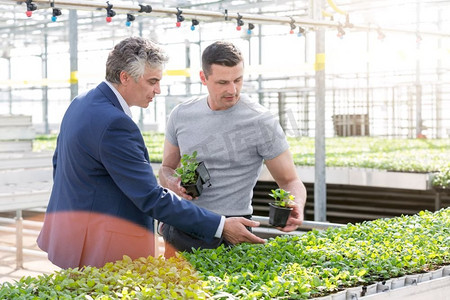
106	90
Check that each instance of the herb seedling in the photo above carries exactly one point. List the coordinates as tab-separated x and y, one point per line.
282	198
186	171
193	174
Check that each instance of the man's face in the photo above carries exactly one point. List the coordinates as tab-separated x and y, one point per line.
224	85
142	92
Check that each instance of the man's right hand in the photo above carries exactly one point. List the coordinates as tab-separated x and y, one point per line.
235	231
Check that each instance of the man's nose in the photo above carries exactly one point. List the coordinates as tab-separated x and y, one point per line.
232	88
157	89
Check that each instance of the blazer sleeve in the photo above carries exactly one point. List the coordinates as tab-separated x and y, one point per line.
123	153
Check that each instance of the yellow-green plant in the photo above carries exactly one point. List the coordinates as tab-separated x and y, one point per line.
142	278
282	198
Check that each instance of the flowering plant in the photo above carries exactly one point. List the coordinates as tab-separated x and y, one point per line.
282	198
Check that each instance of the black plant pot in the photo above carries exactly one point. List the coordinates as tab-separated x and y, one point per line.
278	215
195	189
203	172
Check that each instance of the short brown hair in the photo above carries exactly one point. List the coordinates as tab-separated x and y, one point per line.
220	53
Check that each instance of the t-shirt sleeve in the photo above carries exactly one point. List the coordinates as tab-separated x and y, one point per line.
272	139
171	132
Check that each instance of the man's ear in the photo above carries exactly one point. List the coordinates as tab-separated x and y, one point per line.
203	77
124	77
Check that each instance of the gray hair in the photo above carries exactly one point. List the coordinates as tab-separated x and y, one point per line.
132	55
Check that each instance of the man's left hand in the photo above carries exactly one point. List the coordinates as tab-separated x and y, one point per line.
295	219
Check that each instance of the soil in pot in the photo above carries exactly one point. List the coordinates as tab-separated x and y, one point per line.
194	189
278	215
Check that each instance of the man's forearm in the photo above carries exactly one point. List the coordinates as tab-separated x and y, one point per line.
164	173
298	190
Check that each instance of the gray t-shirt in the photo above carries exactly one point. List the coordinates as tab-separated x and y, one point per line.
233	144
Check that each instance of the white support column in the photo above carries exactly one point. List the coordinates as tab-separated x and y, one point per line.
320	187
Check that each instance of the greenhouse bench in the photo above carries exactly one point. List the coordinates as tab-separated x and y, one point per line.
25	183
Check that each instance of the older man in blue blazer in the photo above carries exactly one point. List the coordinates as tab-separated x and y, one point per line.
105	195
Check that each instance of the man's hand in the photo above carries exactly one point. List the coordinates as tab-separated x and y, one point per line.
295	219
234	231
172	183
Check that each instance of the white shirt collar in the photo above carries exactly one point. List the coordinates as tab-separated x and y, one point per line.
122	101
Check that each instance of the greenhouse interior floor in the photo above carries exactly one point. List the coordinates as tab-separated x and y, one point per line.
33	265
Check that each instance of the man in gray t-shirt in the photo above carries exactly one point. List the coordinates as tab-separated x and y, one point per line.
233	136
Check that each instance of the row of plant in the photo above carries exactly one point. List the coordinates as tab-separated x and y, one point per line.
442	179
286	267
143	278
403	155
323	262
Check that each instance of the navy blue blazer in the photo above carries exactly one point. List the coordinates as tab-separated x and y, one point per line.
105	195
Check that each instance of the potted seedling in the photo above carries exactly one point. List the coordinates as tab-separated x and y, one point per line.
281	208
192	174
